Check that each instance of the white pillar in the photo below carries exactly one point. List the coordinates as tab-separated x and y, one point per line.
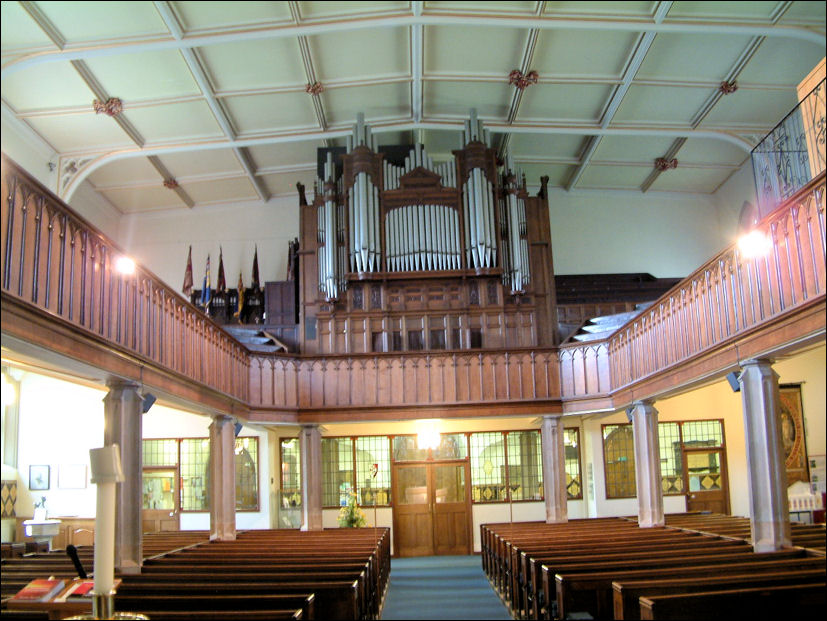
769	511
123	426
647	464
222	479
310	447
554	470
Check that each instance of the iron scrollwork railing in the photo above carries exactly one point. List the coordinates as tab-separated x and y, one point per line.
792	154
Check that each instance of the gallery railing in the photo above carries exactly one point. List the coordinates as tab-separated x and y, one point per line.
730	295
56	261
792	154
403	379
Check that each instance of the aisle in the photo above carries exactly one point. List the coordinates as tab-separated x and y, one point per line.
441	587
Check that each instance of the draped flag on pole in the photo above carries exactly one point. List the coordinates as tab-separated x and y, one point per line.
187	288
256	285
221	285
237	313
206	292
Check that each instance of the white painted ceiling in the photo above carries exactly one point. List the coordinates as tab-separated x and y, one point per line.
214	93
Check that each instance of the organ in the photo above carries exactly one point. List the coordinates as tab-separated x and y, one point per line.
411	254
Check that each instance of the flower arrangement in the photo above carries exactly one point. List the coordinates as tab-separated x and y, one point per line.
351	515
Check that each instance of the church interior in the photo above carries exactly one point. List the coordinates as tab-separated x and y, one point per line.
473	277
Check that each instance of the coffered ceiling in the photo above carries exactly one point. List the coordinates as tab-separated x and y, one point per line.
202	103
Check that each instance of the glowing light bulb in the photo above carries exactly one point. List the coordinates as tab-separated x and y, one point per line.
754	244
125	265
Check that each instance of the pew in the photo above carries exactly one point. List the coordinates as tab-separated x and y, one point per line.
627	593
166	605
564	585
805	601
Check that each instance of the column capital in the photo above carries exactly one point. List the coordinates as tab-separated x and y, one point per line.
221	419
117	383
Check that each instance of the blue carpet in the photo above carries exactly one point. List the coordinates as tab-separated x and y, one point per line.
441	587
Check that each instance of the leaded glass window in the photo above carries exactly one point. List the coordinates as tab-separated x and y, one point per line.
337	471
195	474
671	465
373	470
525	465
246	474
488	483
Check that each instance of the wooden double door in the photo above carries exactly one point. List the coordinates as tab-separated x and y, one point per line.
432	508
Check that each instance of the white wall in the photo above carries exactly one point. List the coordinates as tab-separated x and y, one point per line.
668	235
59	423
160	241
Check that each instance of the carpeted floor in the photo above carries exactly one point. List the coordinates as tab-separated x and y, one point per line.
441	587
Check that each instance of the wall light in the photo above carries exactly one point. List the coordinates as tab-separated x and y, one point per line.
125	265
754	244
427	434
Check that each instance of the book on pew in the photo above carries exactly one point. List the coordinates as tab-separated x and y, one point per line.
39	590
81	590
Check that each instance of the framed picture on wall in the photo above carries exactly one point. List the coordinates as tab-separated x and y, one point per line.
39	477
71	476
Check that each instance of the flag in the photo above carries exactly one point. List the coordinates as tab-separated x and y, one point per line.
221	285
256	285
206	293
187	288
240	297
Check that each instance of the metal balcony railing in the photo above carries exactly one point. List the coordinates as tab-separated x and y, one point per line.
792	154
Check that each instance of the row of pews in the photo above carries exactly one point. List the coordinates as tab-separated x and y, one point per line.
696	566
269	574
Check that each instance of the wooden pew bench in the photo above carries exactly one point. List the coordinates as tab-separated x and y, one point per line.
530	566
804	601
627	593
339	599
164	606
574	590
638	555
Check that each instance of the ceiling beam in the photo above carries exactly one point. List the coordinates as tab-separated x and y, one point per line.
732	75
309	69
524	68
200	76
88	163
644	44
417	60
543	22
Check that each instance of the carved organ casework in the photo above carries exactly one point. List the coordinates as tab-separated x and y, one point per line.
404	254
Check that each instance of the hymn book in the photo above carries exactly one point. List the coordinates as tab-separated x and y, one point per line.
39	590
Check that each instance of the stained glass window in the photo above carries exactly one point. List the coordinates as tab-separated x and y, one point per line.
571	446
619	455
373	470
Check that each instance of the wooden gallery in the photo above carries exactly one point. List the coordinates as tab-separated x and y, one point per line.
567	321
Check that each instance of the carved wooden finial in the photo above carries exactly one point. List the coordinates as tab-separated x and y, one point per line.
302	196
543	193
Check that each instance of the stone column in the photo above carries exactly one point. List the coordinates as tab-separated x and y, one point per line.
310	448
123	426
647	464
554	470
222	479
769	511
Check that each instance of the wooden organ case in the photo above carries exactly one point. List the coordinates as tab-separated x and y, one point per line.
424	256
